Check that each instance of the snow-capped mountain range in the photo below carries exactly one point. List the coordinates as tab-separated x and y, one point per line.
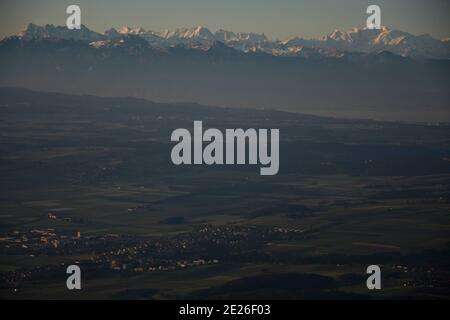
335	44
360	73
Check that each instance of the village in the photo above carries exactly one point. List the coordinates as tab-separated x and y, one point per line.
129	254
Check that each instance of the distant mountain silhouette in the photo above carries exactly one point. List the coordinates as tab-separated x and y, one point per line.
318	79
356	40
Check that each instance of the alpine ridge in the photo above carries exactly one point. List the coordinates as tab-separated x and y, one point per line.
334	44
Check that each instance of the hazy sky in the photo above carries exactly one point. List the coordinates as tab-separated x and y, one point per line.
275	18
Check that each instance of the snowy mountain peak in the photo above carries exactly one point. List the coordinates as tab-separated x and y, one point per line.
338	35
59	32
227	36
377	40
131	30
224	35
334	44
198	32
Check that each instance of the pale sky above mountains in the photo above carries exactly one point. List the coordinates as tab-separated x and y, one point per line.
277	19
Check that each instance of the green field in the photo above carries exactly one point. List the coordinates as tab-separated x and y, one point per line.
350	193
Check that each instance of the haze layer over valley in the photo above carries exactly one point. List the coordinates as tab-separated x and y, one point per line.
379	74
